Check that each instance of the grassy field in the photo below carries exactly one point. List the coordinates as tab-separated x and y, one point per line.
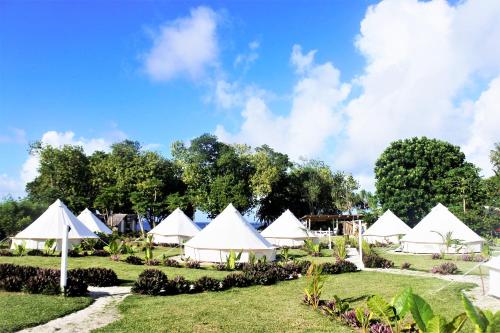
19	310
276	308
425	262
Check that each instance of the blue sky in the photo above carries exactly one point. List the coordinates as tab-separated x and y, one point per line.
335	80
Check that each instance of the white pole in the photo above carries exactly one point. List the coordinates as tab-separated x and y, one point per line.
329	239
64	254
360	236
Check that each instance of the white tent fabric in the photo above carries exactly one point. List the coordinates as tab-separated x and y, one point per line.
228	231
287	230
494	283
50	225
176	228
93	223
387	229
425	237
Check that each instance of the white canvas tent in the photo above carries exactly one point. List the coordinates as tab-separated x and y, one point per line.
426	236
287	231
176	228
387	229
93	223
494	282
228	231
50	225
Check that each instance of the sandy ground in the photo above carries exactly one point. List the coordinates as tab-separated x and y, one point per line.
478	295
100	313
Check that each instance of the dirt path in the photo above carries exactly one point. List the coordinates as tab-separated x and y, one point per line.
100	313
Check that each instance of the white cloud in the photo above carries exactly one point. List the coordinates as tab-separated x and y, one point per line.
422	57
313	117
483	132
10	186
29	170
185	46
432	69
14	135
247	59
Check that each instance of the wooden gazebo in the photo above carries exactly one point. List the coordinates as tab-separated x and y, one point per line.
346	224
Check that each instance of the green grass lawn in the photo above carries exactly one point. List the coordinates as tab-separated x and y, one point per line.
425	262
19	310
276	308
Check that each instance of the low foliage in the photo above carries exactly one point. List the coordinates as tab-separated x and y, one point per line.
436	256
5	253
340	248
405	265
373	260
95	276
35	252
312	292
171	263
341	266
445	268
193	264
134	260
150	282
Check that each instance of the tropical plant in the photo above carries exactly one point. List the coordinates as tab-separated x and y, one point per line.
20	249
148	246
340	249
232	259
484	321
284	253
448	242
336	307
252	258
314	249
114	249
392	314
314	285
364	317
262	260
49	247
427	321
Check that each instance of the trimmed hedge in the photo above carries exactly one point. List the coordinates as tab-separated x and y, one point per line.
37	280
373	260
155	282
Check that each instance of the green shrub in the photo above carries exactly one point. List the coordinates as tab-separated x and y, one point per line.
133	260
11	283
150	282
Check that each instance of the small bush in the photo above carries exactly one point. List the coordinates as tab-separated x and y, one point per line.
380	328
373	260
150	282
75	287
75	253
472	257
405	265
95	276
339	267
11	283
178	285
206	283
193	264
100	253
445	268
5	253
153	262
46	281
349	317
236	280
171	263
35	252
436	256
220	267
133	260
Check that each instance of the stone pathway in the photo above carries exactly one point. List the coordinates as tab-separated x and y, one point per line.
476	294
101	312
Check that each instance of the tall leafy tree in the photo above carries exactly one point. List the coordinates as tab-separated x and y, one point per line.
63	174
15	215
215	173
413	175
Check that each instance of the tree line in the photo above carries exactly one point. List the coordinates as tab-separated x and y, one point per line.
412	176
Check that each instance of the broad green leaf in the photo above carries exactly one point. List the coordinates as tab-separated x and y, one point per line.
475	315
494	324
401	302
437	325
381	308
457	323
421	311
